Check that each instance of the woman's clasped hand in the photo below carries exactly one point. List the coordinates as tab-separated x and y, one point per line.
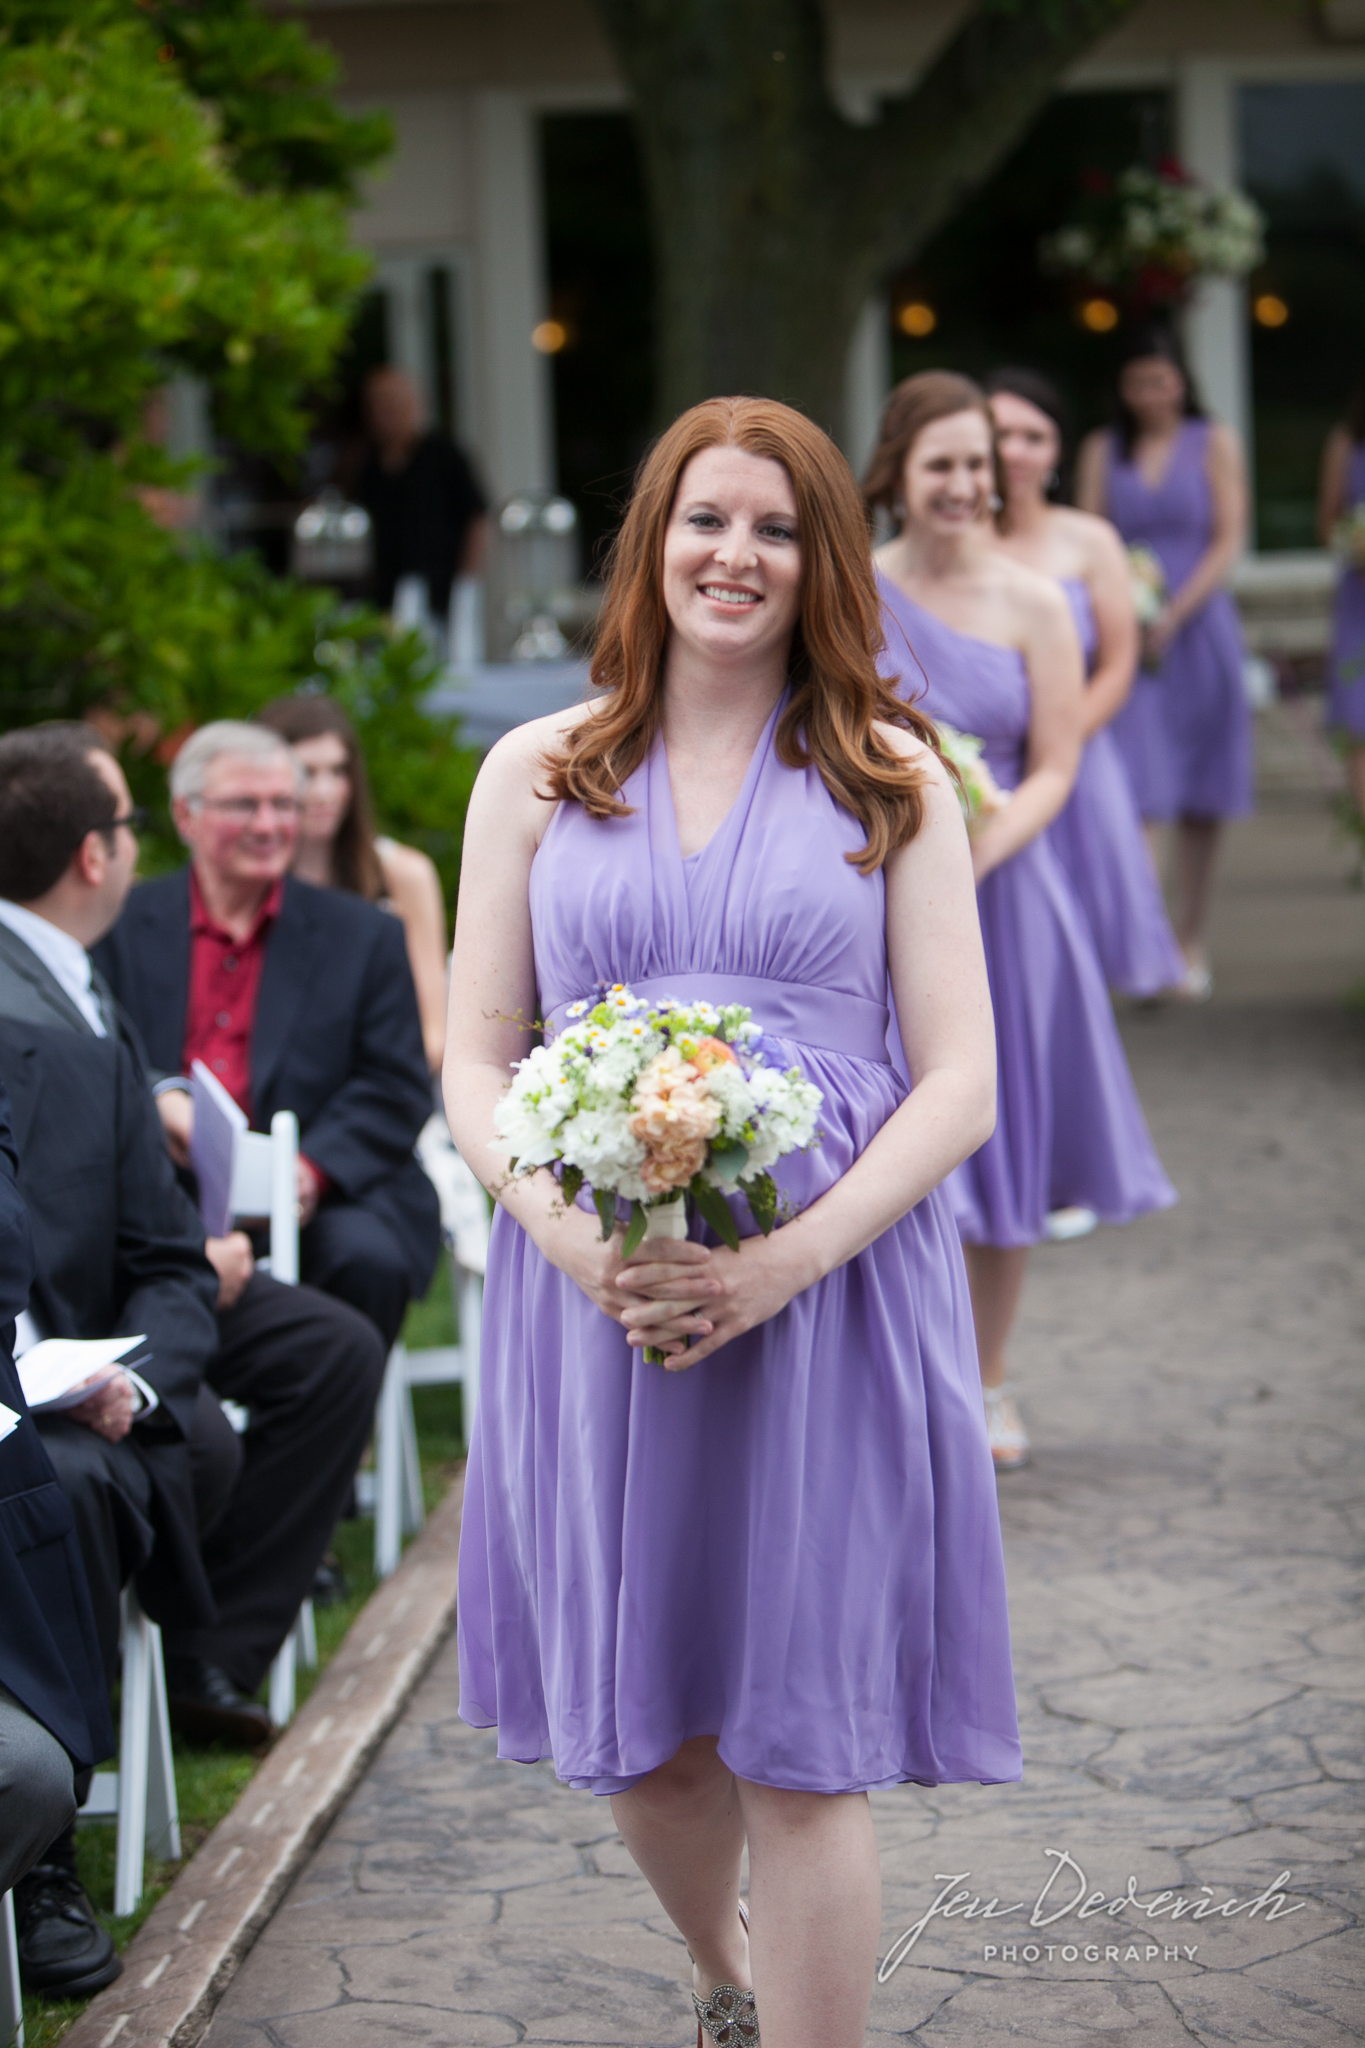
674	1296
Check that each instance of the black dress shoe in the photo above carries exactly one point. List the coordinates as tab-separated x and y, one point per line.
203	1701
63	1950
330	1583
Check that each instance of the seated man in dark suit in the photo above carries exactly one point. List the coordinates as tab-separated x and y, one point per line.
120	1247
296	998
54	1703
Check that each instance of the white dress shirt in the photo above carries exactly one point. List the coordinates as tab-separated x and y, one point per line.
65	958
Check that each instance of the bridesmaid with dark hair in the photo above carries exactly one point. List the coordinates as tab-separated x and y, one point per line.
1175	482
1341	494
1098	835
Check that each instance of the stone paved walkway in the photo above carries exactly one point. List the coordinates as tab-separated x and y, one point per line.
1184	1561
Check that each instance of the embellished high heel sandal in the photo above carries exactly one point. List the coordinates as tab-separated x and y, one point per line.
1004	1430
728	2015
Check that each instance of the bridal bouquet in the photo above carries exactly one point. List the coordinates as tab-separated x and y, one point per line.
980	794
662	1105
1147	580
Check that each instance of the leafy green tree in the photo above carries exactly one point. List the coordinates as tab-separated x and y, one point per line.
174	186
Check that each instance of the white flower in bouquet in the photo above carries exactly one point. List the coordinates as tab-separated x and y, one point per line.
1147	580
980	794
660	1106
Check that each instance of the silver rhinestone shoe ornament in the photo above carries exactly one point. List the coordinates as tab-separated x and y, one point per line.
729	2017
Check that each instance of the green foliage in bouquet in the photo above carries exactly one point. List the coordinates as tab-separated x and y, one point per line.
174	184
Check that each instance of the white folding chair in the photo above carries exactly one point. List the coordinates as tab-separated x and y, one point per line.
11	1992
140	1794
265	1184
300	1646
397	1480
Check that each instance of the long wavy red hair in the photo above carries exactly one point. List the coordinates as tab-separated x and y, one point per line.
837	698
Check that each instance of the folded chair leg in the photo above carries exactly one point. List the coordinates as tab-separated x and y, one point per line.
306	1636
11	1995
134	1744
163	1808
388	1468
282	1674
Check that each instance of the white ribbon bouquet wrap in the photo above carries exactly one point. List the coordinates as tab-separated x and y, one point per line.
661	1105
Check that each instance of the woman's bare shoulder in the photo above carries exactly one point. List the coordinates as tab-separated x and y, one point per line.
519	757
1034	597
905	743
1095	539
406	868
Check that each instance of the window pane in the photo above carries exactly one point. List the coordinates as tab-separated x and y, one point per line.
1303	158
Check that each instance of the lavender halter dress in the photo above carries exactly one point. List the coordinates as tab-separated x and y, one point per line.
1098	839
794	1545
1185	732
1069	1130
1346	663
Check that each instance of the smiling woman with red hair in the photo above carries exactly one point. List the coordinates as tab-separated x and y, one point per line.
737	1591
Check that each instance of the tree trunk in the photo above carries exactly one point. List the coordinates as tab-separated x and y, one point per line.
774	216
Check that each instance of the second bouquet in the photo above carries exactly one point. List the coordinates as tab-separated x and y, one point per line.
661	1105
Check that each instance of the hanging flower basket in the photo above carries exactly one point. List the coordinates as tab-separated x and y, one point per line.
1146	237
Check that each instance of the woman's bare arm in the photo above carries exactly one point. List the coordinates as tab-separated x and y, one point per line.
1052	655
1336	461
1116	653
1092	474
415	891
493	1015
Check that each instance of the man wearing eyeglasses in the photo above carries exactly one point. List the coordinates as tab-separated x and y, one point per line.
296	998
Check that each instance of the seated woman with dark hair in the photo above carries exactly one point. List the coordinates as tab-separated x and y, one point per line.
338	847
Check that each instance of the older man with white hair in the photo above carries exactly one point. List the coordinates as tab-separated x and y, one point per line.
296	998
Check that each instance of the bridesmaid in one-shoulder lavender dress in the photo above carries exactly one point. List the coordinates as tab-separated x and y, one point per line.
1174	482
1098	834
999	660
1341	493
740	1592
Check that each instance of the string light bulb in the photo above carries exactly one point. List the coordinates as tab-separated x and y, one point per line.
917	319
1101	316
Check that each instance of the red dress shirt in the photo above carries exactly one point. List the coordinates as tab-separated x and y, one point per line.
225	983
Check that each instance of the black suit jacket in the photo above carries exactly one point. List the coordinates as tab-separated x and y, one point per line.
337	1039
49	1658
118	1248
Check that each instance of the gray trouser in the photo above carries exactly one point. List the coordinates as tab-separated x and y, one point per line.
37	1798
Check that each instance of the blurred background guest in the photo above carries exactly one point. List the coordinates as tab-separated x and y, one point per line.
1341	522
338	848
1174	482
296	998
426	509
1098	834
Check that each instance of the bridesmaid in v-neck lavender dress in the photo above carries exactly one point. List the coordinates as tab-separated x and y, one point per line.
1174	482
736	1594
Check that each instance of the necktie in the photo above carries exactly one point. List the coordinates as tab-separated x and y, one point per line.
108	1008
